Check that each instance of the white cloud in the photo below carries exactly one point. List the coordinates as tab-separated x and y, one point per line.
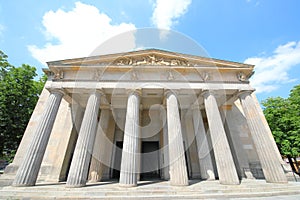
272	71
79	32
166	12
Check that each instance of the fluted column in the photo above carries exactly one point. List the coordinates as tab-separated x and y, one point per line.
224	160
97	165
29	169
271	166
205	161
82	154
130	161
178	171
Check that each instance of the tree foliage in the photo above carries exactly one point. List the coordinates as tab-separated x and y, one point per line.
19	93
283	116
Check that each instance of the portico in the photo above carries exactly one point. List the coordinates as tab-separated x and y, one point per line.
147	114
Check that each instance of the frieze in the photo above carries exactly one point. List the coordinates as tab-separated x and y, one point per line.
242	77
205	76
59	75
98	74
134	75
170	76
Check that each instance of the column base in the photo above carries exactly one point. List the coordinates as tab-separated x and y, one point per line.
279	182
22	185
127	185
93	181
75	186
230	182
179	184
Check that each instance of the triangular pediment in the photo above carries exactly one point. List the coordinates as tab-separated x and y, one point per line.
149	57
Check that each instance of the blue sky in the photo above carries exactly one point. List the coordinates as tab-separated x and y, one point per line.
261	32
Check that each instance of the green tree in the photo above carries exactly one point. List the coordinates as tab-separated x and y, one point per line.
284	121
19	93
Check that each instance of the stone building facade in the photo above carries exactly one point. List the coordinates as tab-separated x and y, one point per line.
147	114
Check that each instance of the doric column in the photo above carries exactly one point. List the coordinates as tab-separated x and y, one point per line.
130	161
271	166
205	161
97	165
224	160
29	169
233	129
82	154
178	171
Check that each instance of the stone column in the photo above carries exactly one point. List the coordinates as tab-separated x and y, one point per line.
271	166
29	169
97	165
224	160
82	154
130	161
232	127
205	161
178	171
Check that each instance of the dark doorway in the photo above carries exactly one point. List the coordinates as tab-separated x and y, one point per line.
187	159
117	161
150	161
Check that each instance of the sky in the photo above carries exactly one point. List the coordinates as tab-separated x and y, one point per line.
265	33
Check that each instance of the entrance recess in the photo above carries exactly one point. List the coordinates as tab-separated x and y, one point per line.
150	160
117	162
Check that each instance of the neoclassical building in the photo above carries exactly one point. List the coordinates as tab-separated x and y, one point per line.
147	114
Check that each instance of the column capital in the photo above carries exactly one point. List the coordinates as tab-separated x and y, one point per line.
137	91
90	91
57	91
244	93
206	93
100	91
168	92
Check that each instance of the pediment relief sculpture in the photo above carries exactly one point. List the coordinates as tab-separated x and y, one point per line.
151	60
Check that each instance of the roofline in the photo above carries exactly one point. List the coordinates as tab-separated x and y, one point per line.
153	50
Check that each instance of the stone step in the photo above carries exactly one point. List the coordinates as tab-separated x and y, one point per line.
144	196
141	194
159	190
